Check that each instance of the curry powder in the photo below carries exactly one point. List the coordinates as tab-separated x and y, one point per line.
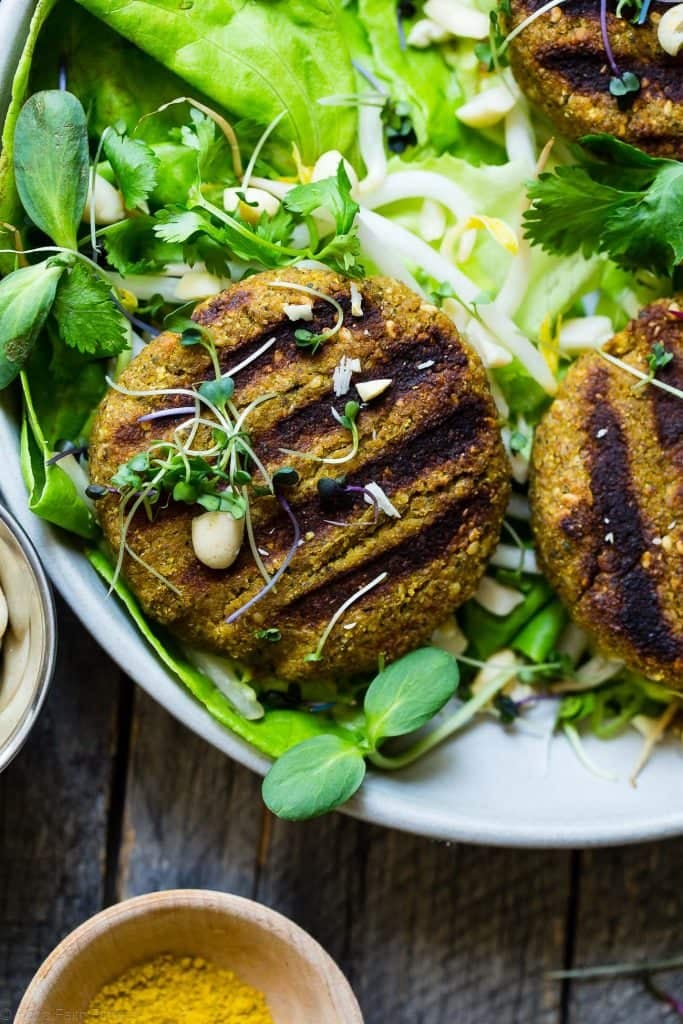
178	990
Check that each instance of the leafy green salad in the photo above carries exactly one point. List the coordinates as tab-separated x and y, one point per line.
155	153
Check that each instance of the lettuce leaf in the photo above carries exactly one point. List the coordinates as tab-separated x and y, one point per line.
52	494
273	734
115	81
420	78
553	284
253	58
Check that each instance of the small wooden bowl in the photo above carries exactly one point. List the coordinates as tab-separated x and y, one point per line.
300	981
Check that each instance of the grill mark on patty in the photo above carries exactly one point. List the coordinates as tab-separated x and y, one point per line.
669	408
306	425
631	603
407	558
432	446
586	72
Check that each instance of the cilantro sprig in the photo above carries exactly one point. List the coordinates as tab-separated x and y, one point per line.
268	243
617	200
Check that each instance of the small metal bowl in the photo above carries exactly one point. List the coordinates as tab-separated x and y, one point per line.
42	631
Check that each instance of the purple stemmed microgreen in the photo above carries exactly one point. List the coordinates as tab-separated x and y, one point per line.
283	479
332	491
141	325
68	448
159	414
623	85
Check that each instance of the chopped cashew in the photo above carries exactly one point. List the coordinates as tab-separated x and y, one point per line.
670	30
108	203
256	201
369	389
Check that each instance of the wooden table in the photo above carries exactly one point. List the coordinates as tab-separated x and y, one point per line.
112	797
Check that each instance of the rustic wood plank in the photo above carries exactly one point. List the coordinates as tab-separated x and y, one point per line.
630	906
54	804
193	817
427	933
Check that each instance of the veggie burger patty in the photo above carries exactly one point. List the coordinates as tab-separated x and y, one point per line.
559	61
431	441
607	496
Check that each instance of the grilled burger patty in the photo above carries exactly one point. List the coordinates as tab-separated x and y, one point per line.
431	441
559	61
607	498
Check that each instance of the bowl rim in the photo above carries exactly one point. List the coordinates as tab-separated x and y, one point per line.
240	907
48	658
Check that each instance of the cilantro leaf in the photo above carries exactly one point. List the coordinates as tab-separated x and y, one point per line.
86	316
135	167
132	246
333	194
175	224
630	208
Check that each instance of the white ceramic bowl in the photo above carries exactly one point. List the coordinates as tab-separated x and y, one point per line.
489	786
35	653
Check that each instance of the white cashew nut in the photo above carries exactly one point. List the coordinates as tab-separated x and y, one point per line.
670	30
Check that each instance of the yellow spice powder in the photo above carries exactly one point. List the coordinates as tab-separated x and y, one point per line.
178	990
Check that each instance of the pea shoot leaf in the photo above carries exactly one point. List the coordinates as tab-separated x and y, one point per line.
51	163
629	206
86	316
26	297
409	692
135	167
313	777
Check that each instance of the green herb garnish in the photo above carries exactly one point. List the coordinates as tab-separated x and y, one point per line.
323	772
618	200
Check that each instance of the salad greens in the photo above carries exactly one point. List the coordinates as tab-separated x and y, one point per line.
253	59
165	150
319	774
51	164
618	200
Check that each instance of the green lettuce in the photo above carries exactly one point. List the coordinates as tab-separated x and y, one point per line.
420	78
10	207
52	494
273	734
115	81
253	58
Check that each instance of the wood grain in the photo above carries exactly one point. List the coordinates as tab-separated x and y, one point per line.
630	906
54	803
427	933
192	816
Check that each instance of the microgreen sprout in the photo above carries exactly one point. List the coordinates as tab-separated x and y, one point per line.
309	339
317	654
271	634
645	378
658	358
348	421
331	491
66	449
623	85
273	581
195	334
404	9
398	126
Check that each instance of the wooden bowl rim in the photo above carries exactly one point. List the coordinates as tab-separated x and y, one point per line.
168	899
